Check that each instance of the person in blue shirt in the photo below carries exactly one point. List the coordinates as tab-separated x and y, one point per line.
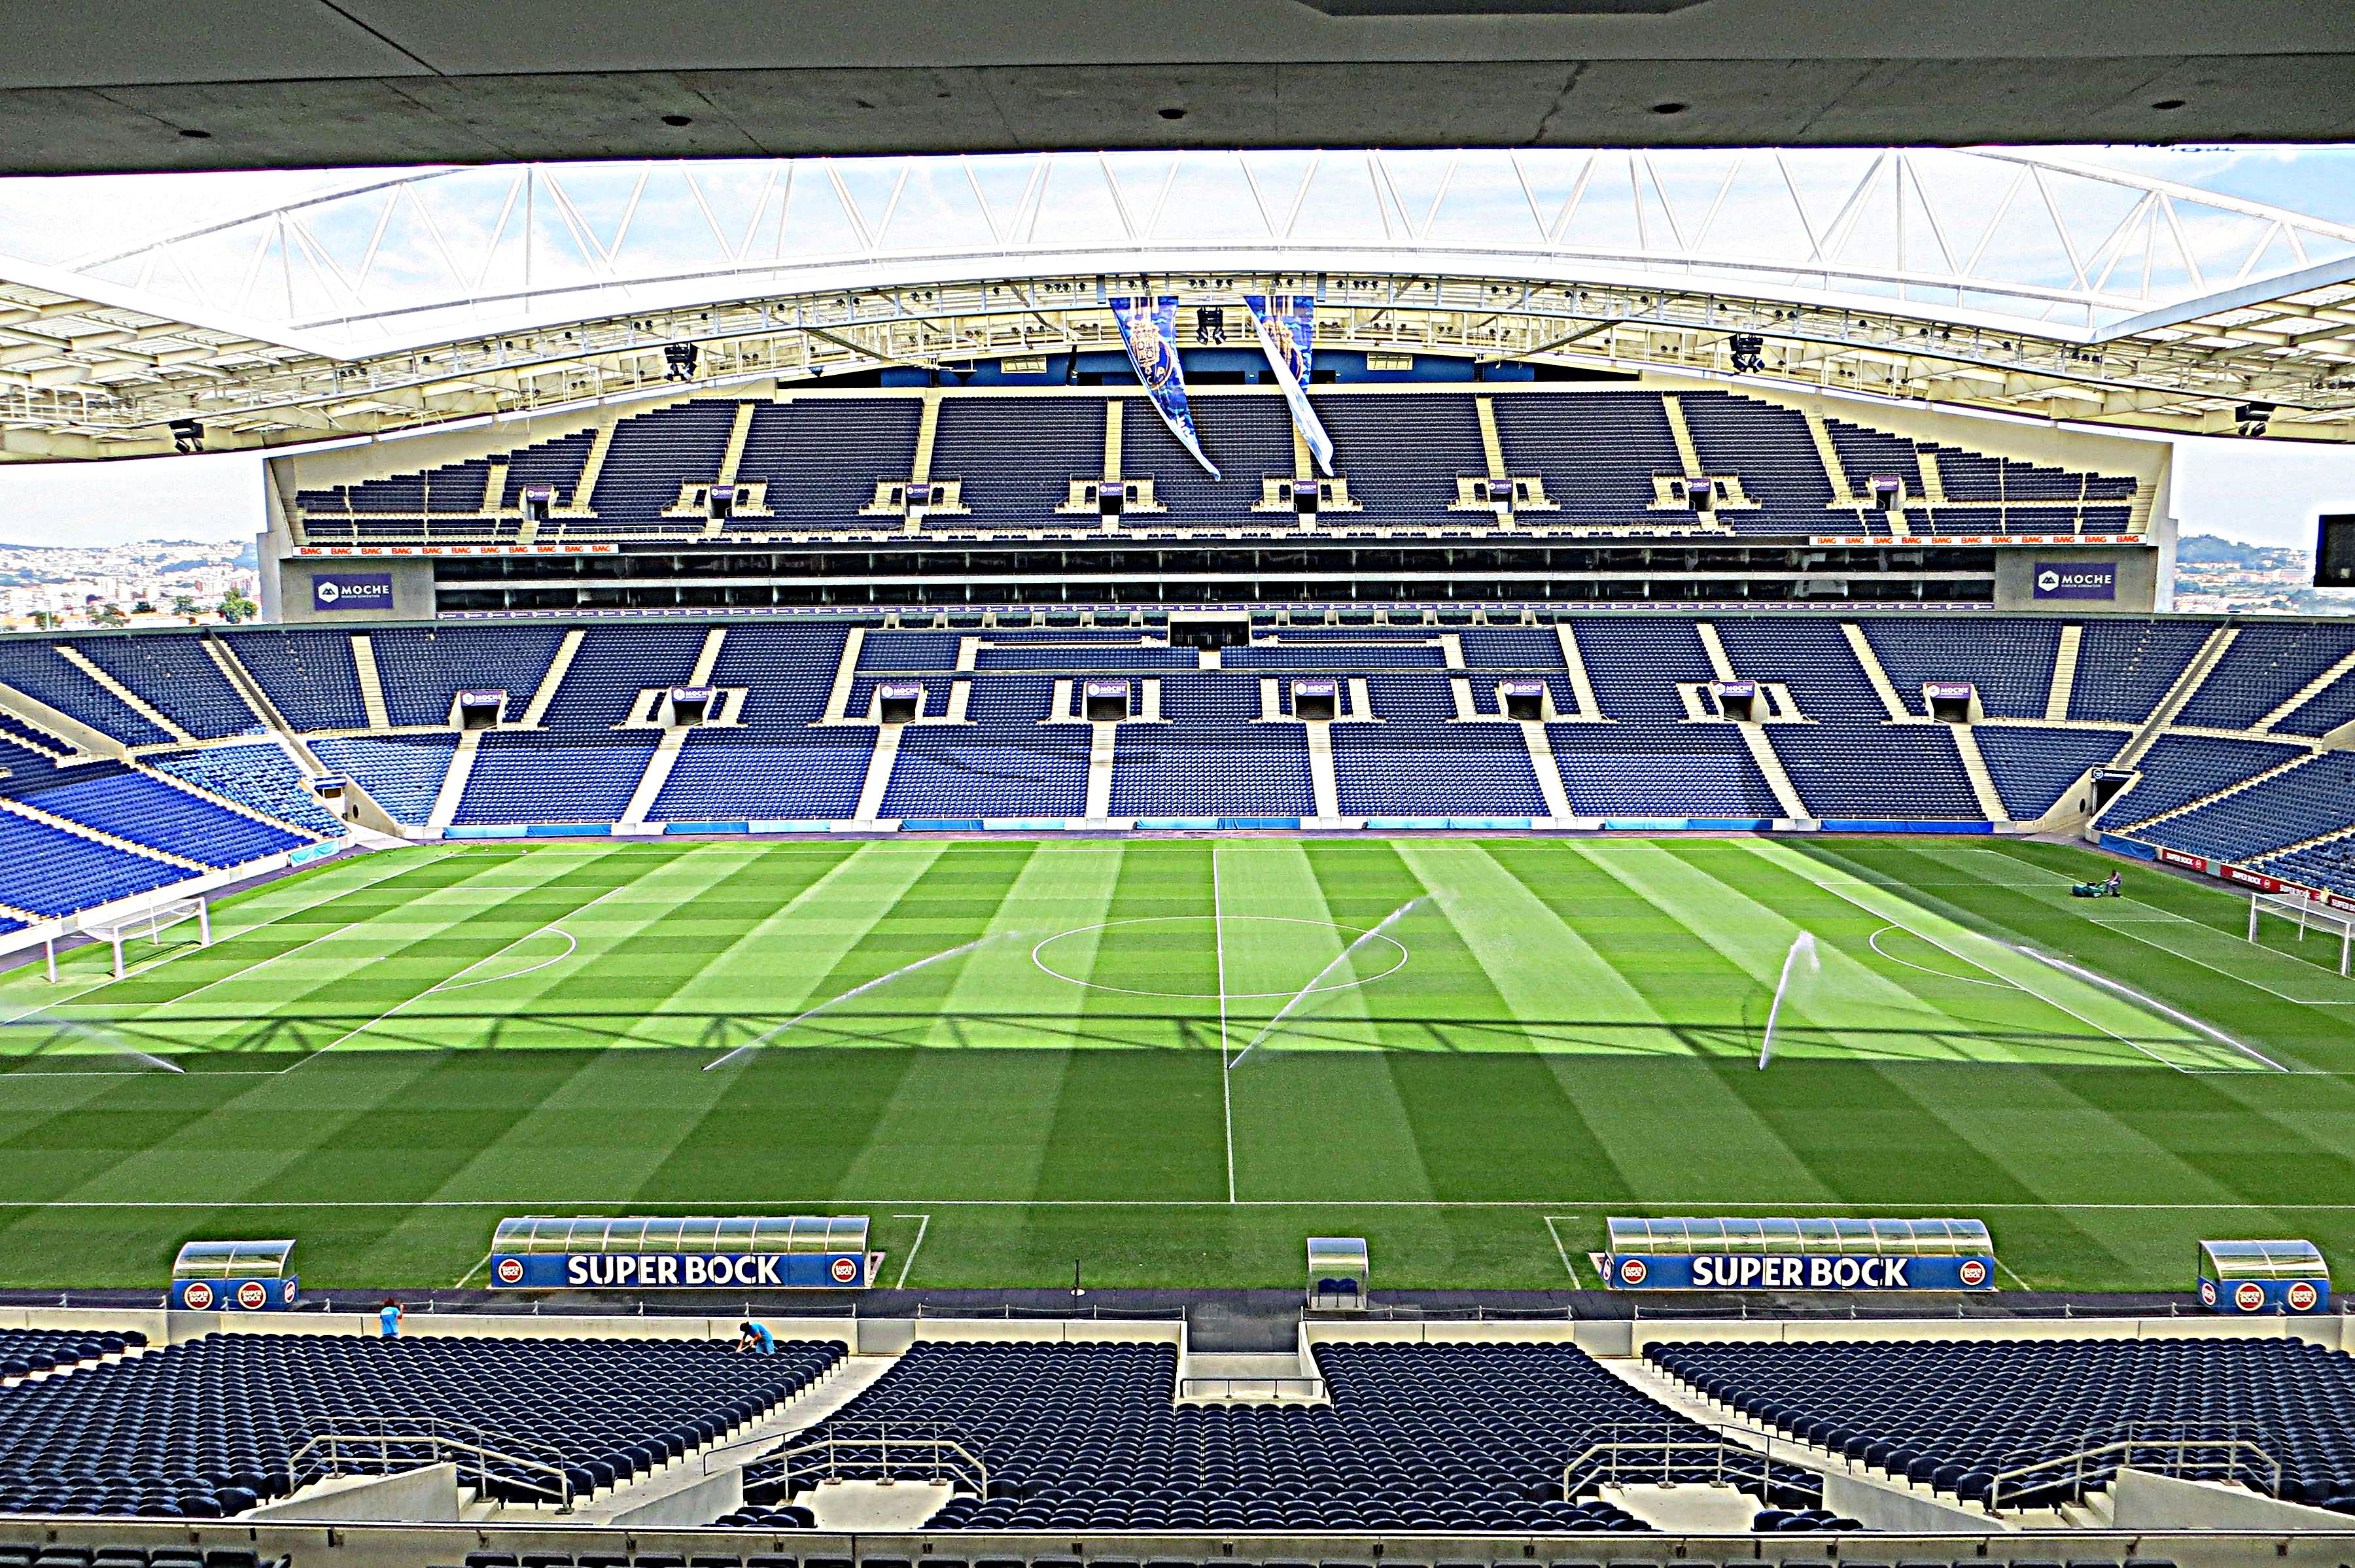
756	1338
389	1317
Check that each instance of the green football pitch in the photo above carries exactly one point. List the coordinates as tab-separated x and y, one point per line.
1172	1059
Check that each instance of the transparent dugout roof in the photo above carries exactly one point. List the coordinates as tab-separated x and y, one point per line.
2263	1260
1789	1237
698	1234
233	1260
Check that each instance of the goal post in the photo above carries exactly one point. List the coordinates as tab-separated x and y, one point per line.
2307	915
149	925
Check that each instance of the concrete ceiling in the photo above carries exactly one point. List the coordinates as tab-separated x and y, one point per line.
103	85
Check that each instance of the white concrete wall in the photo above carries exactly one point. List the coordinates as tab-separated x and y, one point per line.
1879	1507
428	1495
2142	1501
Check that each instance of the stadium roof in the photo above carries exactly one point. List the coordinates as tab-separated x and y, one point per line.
127	84
2039	284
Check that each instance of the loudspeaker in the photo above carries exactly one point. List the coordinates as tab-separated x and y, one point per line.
2334	551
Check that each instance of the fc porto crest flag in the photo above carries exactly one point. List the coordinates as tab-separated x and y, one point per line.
1286	325
1149	329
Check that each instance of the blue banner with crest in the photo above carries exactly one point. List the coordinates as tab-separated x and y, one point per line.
1286	325
1149	329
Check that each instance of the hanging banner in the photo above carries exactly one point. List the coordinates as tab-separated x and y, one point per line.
1286	325
1149	329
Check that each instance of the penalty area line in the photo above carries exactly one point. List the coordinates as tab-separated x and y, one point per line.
445	984
1743	1206
923	1223
1561	1251
152	964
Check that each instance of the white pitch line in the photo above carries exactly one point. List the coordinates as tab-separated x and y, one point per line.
2014	1273
439	986
1226	1068
1873	942
241	930
1842	894
923	1223
1562	1249
572	946
1764	1206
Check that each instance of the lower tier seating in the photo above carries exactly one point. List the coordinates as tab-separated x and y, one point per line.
214	1426
1955	1414
1441	1438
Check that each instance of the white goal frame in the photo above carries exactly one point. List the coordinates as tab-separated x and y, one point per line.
151	922
2308	914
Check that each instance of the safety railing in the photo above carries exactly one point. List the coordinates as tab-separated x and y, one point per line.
2158	1446
1658	1452
1251	1388
382	1446
878	1450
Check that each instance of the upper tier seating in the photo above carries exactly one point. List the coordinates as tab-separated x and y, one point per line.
177	677
1016	458
651	455
210	1427
422	670
1405	453
1953	1415
2180	769
1250	437
38	669
2126	667
2033	765
309	676
2264	667
1433	1438
2010	661
1910	771
819	457
1596	450
1768	447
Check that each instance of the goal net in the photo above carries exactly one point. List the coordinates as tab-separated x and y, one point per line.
2311	918
176	923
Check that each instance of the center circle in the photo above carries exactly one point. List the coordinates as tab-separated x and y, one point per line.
1213	930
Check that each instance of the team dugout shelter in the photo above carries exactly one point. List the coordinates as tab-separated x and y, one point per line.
1798	1254
801	1252
234	1276
2288	1277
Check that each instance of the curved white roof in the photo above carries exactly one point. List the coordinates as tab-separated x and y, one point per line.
2053	244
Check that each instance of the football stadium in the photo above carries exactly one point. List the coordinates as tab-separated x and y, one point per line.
1385	781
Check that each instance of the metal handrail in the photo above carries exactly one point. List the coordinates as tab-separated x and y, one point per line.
1749	1464
2177	1447
445	1437
946	1454
1307	1388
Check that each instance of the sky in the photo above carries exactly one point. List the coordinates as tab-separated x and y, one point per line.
2257	492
